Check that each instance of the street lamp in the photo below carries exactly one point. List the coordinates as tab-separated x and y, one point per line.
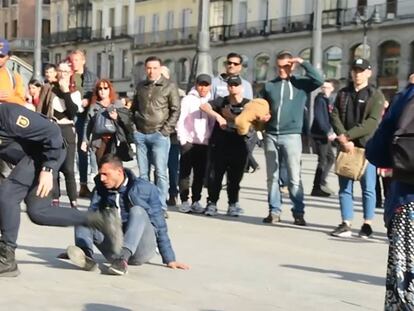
366	21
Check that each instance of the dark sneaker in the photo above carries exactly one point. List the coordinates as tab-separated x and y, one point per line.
84	192
365	232
299	220
272	218
118	267
8	265
78	258
317	192
342	231
109	223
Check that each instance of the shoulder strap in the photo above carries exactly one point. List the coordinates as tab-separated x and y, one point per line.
12	77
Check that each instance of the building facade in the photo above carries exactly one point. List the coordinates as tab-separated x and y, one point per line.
118	35
17	20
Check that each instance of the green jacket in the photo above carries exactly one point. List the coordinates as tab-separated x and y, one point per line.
370	119
287	99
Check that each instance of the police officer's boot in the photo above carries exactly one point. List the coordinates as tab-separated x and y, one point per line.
8	265
109	223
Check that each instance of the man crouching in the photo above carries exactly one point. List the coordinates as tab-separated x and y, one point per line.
144	226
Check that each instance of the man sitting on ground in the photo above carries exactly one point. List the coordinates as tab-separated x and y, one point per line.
139	204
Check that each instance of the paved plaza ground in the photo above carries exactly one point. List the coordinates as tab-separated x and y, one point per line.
236	263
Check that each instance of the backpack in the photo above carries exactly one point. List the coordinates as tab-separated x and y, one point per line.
402	146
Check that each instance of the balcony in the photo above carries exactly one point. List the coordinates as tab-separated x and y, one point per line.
110	33
22	45
179	36
72	35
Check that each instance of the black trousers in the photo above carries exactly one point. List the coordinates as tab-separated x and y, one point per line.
68	166
326	159
193	158
21	185
227	157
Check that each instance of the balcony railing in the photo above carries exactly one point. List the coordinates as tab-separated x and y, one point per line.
110	33
72	35
179	36
22	45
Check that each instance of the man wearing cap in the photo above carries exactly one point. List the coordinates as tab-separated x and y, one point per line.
287	96
228	148
234	65
194	128
12	88
355	117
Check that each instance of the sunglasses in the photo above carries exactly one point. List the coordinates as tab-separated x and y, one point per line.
103	88
2	55
232	63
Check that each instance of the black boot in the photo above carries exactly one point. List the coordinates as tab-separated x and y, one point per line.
8	265
109	223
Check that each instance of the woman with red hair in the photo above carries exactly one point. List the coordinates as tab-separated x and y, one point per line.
114	136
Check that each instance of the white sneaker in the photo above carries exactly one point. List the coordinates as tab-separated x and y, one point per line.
211	209
184	207
233	210
197	208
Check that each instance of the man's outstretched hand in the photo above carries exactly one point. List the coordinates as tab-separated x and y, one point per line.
178	265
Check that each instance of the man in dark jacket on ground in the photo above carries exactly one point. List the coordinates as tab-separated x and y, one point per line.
139	204
155	109
323	136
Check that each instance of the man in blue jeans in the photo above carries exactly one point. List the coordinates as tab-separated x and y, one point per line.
287	95
155	110
138	202
357	112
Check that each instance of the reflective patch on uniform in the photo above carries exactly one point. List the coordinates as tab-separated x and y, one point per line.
23	121
1	141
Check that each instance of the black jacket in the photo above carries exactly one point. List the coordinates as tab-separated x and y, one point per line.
156	107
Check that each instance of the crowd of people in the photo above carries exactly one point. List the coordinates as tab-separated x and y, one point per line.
189	141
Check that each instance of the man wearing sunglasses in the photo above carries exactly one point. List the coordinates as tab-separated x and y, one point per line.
234	65
12	89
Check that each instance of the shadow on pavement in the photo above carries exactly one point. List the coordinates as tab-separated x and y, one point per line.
103	307
344	275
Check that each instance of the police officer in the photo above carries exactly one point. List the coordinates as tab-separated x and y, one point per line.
35	146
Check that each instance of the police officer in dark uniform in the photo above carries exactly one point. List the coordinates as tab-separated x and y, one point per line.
35	146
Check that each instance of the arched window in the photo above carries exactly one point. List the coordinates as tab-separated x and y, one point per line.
332	58
183	70
358	51
170	64
306	54
261	67
388	61
219	65
138	72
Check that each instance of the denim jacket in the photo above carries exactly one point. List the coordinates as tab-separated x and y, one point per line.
378	152
139	193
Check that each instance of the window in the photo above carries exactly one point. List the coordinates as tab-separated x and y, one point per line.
14	29
170	64
5	3
391	8
98	64
360	51
389	54
58	58
220	13
219	65
46	1
155	22
111	64
124	63
332	58
45	27
141	24
111	17
261	67
125	16
99	15
138	72
6	30
13	2
183	71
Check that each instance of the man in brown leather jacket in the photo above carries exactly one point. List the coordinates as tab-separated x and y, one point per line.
155	109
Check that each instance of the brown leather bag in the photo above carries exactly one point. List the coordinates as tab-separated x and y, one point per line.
351	165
